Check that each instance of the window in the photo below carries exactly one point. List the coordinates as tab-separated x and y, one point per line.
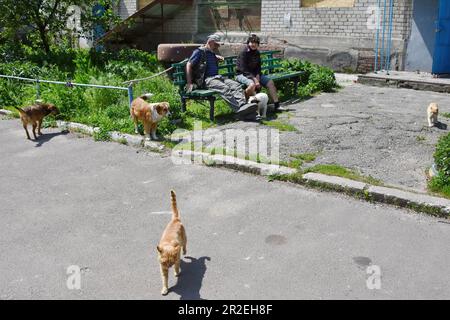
229	15
326	3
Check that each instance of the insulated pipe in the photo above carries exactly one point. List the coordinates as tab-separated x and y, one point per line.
384	36
377	42
388	58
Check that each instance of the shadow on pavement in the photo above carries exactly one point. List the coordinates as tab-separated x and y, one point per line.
190	280
441	126
47	137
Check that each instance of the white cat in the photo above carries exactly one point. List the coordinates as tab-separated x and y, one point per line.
262	100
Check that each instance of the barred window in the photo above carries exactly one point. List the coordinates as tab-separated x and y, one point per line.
229	15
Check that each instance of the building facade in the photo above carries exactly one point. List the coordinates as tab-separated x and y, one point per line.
342	34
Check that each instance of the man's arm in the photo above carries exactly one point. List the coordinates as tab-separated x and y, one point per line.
189	84
194	59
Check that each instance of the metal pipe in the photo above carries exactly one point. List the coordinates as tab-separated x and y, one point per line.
38	91
388	59
377	42
384	33
65	83
130	94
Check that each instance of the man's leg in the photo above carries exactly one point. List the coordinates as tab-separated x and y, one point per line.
236	89
247	111
266	82
225	92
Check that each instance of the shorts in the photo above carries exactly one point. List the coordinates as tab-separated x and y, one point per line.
264	80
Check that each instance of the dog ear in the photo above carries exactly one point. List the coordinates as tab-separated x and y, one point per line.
159	108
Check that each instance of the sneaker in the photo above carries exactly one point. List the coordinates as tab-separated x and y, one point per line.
280	109
247	109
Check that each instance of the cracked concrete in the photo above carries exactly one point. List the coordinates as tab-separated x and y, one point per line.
381	132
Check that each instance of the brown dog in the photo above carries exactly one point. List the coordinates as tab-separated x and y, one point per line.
149	113
172	242
34	115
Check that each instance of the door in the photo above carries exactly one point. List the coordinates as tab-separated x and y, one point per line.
441	60
420	51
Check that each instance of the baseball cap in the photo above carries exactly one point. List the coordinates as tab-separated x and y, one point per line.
214	37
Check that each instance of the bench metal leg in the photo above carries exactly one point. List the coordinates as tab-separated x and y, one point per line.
296	81
211	108
183	104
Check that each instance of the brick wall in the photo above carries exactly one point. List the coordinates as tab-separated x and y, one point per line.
126	8
344	22
326	33
184	22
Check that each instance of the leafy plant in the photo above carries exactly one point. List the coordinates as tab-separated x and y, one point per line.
441	183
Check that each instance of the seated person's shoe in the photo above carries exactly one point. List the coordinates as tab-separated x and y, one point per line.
280	109
247	109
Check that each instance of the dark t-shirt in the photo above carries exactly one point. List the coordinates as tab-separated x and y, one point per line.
248	62
212	66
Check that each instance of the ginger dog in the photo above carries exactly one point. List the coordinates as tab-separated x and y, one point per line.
149	113
170	245
34	115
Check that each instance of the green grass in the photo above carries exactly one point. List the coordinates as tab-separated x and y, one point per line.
298	160
420	138
282	126
446	115
295	164
339	171
306	157
438	187
443	192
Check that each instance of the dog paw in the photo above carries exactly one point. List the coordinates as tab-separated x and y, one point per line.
164	291
148	139
177	274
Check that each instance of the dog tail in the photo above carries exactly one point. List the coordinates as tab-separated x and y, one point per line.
20	110
146	96
176	214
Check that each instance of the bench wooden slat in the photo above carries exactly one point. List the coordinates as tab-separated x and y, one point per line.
282	76
200	93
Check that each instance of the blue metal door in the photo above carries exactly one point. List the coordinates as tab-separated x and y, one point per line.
441	59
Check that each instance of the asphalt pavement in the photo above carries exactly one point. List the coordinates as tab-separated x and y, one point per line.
70	202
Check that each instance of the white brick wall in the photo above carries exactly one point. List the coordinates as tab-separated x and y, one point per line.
184	22
341	22
126	8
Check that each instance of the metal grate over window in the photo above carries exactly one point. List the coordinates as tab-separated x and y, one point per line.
229	15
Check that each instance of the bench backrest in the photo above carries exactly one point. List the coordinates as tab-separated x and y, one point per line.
227	68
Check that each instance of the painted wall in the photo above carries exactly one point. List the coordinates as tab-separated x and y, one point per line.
419	55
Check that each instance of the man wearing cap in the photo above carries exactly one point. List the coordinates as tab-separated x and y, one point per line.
202	70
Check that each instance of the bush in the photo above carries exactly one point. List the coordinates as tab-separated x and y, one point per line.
315	77
441	183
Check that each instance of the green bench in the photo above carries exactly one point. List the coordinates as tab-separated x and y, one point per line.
227	68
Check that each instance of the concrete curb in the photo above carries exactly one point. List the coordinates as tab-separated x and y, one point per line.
435	206
231	163
5	112
418	202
